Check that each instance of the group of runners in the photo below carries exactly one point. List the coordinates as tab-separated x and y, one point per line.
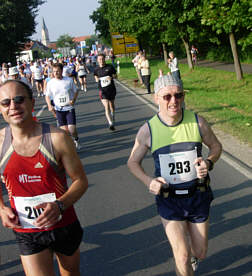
35	158
60	80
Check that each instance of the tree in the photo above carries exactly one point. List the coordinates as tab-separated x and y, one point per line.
102	23
65	40
91	41
233	18
17	24
157	20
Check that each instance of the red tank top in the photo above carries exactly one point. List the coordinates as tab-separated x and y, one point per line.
30	180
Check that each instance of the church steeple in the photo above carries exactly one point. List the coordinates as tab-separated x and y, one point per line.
45	34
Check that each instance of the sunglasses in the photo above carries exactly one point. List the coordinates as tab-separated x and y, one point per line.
177	96
16	100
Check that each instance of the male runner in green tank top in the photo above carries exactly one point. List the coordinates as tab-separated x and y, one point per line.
181	182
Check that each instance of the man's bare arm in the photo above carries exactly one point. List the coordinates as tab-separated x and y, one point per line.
8	217
209	139
141	146
66	156
66	152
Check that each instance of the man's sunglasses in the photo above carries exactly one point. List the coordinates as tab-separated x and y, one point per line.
177	96
16	100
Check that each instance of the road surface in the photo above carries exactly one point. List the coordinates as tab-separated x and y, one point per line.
122	231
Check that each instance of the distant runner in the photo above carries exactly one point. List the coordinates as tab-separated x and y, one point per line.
105	75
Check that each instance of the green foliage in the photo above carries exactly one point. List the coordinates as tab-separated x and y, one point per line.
90	41
17	24
203	23
229	16
214	94
222	54
102	23
65	40
42	54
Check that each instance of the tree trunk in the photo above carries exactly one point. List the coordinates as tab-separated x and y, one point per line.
237	64
165	54
188	54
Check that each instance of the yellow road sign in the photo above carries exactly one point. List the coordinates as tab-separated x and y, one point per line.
123	44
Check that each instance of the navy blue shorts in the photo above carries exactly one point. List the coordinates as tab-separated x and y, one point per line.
194	209
65	240
66	118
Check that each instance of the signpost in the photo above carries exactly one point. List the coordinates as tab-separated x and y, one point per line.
82	45
124	44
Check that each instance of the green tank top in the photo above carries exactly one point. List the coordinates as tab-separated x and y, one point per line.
174	148
185	131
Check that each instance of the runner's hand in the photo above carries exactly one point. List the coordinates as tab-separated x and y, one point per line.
201	167
50	108
72	102
9	218
49	216
156	184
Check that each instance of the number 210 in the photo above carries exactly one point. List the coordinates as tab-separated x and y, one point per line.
32	212
179	167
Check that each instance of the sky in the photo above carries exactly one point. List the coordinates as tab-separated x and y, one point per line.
66	17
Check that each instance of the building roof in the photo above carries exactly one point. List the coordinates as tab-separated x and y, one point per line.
52	45
29	45
81	38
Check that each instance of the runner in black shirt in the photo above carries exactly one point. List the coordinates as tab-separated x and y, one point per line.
104	75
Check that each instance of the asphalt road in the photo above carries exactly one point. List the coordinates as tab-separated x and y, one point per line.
122	232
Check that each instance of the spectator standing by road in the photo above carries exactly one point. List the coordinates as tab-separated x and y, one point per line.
145	73
173	65
112	57
135	61
34	160
181	182
105	74
194	52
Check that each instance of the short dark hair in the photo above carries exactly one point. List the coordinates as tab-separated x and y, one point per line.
23	84
101	55
58	65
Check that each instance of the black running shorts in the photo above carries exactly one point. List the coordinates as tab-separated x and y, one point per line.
65	240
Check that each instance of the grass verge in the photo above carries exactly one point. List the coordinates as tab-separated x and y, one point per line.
225	102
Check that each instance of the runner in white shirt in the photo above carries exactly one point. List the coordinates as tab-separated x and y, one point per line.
37	74
82	71
4	76
64	93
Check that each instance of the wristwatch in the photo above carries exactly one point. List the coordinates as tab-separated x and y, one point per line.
211	164
61	206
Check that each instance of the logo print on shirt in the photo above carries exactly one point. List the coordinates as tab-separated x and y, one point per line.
25	178
38	166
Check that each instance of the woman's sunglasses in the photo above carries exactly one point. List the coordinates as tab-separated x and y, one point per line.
177	96
16	100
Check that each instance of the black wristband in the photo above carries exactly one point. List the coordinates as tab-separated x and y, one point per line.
211	164
61	206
